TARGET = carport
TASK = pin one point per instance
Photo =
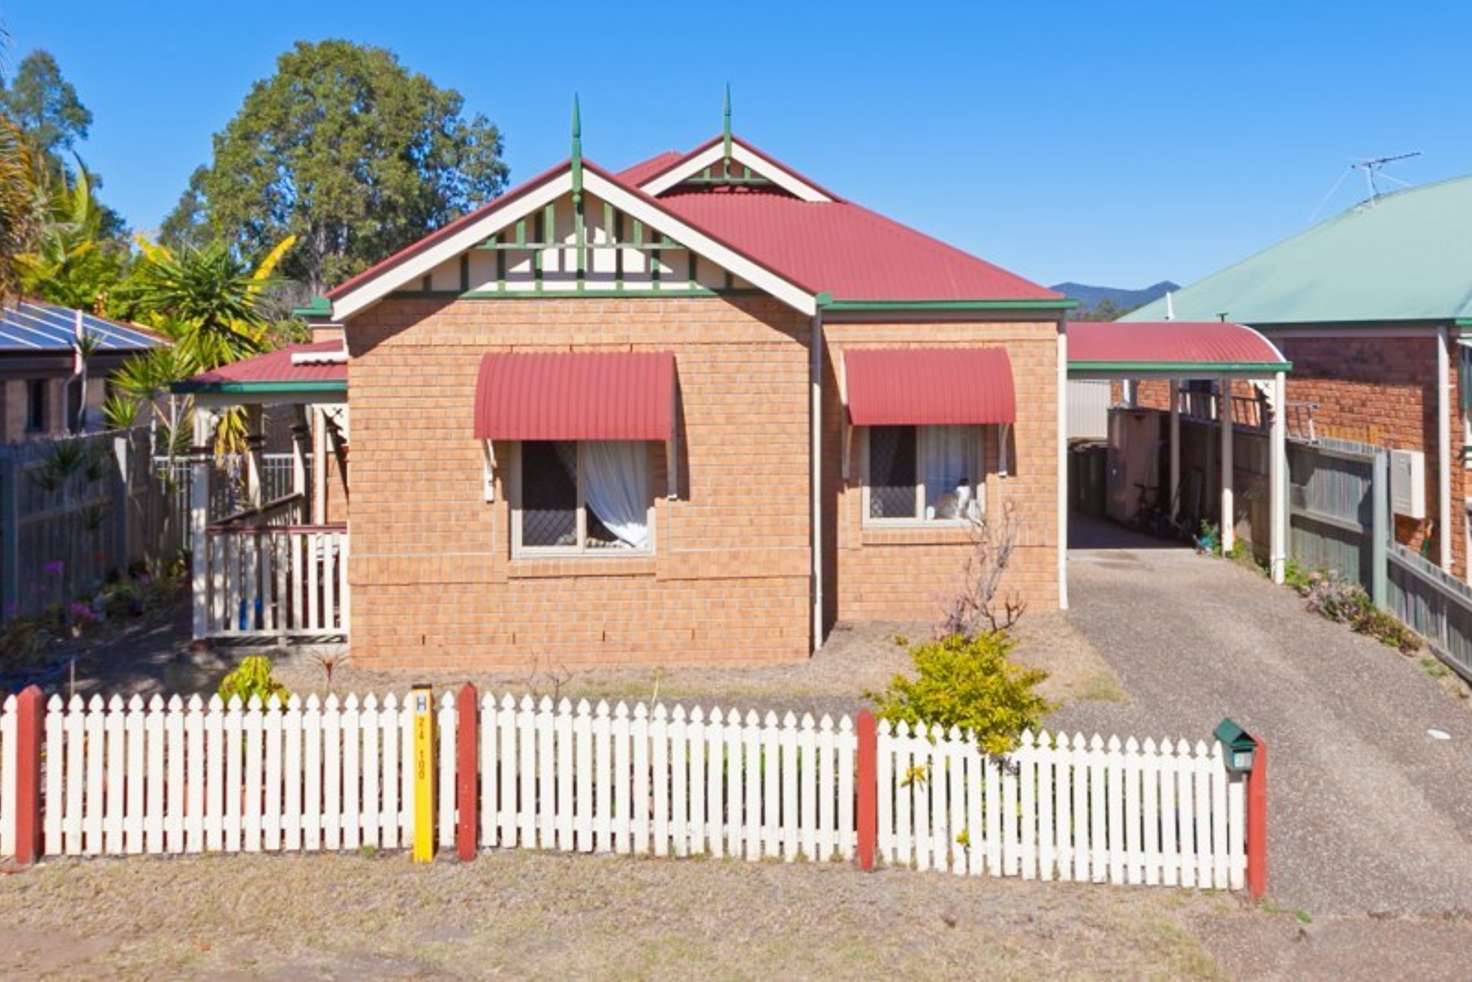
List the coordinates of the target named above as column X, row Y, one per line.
column 1184, row 351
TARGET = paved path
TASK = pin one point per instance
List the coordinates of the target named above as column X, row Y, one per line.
column 1367, row 812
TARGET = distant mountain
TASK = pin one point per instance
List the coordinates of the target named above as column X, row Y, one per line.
column 1120, row 301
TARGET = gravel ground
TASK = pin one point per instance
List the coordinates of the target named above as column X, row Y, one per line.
column 541, row 915
column 856, row 659
column 1367, row 812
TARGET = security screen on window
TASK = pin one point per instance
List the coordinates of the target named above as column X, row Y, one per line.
column 923, row 473
column 585, row 496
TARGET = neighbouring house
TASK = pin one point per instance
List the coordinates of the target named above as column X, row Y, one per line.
column 40, row 369
column 698, row 410
column 1374, row 309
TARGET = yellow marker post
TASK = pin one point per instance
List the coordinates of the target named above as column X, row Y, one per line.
column 423, row 702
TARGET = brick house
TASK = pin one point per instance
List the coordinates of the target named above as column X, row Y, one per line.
column 1373, row 307
column 40, row 383
column 701, row 409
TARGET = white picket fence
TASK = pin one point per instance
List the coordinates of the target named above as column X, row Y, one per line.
column 1070, row 810
column 665, row 781
column 175, row 776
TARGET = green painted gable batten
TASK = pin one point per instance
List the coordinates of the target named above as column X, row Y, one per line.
column 1407, row 257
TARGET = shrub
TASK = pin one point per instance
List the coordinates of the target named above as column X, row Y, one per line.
column 968, row 683
column 252, row 677
column 1348, row 603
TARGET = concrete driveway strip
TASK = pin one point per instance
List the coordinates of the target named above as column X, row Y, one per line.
column 1367, row 811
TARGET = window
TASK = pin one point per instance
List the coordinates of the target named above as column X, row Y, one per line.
column 590, row 496
column 36, row 408
column 923, row 474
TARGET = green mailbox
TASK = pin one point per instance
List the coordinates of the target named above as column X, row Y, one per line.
column 1237, row 744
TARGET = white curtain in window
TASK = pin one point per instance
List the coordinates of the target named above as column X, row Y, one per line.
column 617, row 488
column 947, row 463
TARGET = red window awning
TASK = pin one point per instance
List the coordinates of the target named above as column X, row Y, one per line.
column 929, row 386
column 622, row 395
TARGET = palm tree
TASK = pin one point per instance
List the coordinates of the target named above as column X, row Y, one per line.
column 20, row 194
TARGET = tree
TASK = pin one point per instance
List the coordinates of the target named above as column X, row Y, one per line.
column 46, row 107
column 20, row 204
column 72, row 260
column 346, row 150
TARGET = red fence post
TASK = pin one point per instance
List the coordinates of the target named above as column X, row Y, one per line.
column 866, row 783
column 467, row 790
column 30, row 708
column 1257, row 822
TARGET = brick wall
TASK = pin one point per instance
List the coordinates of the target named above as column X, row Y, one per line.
column 434, row 584
column 911, row 574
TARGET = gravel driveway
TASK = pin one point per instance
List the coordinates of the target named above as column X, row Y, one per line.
column 1368, row 813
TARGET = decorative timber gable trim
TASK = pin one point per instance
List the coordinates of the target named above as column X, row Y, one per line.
column 755, row 168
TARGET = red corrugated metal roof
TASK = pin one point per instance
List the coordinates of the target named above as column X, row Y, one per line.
column 622, row 395
column 1168, row 342
column 846, row 250
column 761, row 154
column 929, row 386
column 637, row 174
column 276, row 366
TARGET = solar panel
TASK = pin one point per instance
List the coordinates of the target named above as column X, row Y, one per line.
column 37, row 327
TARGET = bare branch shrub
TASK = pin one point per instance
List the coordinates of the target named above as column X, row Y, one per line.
column 977, row 605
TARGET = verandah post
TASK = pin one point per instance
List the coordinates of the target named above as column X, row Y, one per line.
column 866, row 787
column 467, row 791
column 30, row 720
column 1257, row 822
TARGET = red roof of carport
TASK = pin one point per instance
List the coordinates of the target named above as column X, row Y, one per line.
column 277, row 366
column 618, row 395
column 929, row 386
column 1165, row 343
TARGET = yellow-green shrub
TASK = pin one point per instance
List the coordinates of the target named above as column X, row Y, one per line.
column 969, row 683
column 252, row 677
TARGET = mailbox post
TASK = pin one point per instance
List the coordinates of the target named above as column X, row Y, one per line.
column 1247, row 754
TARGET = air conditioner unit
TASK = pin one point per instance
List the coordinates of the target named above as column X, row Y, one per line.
column 1408, row 483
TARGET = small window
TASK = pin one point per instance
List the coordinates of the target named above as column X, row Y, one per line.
column 36, row 408
column 923, row 473
column 590, row 496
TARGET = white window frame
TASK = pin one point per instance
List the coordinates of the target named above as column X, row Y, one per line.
column 581, row 550
column 978, row 485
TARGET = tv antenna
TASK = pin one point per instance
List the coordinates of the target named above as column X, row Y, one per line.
column 1373, row 169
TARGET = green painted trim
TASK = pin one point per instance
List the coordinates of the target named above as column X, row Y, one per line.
column 258, row 388
column 319, row 307
column 1180, row 367
column 841, row 305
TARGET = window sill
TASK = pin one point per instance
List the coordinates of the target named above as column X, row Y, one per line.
column 915, row 534
column 533, row 566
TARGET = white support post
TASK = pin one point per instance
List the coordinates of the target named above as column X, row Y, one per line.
column 815, row 383
column 1224, row 412
column 199, row 512
column 255, row 442
column 1062, row 464
column 319, row 466
column 301, row 434
column 1174, row 386
column 1444, row 450
column 1277, row 474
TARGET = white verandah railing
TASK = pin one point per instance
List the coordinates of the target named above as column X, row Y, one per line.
column 170, row 776
column 281, row 580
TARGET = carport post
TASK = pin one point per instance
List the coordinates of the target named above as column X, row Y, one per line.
column 1224, row 410
column 1175, row 447
column 1277, row 470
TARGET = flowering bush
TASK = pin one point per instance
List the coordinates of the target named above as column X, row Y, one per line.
column 1348, row 603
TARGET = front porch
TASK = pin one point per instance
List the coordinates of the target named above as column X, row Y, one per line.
column 275, row 569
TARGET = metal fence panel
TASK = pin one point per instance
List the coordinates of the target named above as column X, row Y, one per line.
column 1331, row 508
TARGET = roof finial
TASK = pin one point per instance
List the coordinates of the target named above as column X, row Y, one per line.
column 726, row 122
column 577, row 147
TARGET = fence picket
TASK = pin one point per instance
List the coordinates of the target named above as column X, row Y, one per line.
column 153, row 806
column 752, row 749
column 251, row 820
column 659, row 741
column 1046, row 826
column 489, row 771
column 349, row 821
column 565, row 803
column 1134, row 854
column 291, row 775
column 623, row 828
column 1150, row 779
column 526, row 737
column 715, row 760
column 507, row 720
column 312, row 771
column 445, row 746
column 603, row 776
column 214, row 805
column 679, row 807
column 808, row 791
column 174, row 813
column 76, row 774
column 787, row 818
column 1026, row 760
column 55, row 770
column 885, row 742
column 370, row 814
column 1169, row 844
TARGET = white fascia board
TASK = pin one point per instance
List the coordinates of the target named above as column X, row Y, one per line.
column 476, row 232
column 722, row 255
column 785, row 180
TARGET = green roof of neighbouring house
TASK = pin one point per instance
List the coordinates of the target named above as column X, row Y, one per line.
column 1407, row 256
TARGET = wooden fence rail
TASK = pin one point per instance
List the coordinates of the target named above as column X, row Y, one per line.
column 164, row 776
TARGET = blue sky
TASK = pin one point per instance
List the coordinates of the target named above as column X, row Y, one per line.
column 1063, row 141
